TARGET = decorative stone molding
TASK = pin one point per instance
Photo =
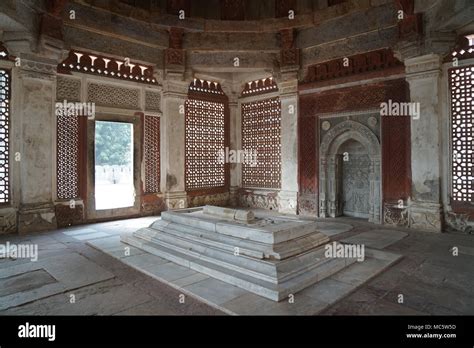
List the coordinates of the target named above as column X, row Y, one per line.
column 330, row 206
column 464, row 50
column 67, row 216
column 459, row 222
column 85, row 62
column 325, row 125
column 152, row 204
column 289, row 52
column 259, row 199
column 258, row 87
column 36, row 217
column 308, row 204
column 288, row 202
column 425, row 216
column 395, row 215
column 357, row 64
column 8, row 220
column 175, row 55
column 4, row 52
column 176, row 200
column 220, row 199
column 423, row 66
column 350, row 130
column 37, row 68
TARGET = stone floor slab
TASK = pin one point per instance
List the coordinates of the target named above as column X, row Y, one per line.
column 90, row 236
column 441, row 286
column 214, row 291
column 376, row 239
column 72, row 272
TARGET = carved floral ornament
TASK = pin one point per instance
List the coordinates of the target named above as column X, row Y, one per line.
column 106, row 66
column 356, row 128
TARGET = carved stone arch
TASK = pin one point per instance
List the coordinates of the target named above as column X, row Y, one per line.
column 330, row 206
column 350, row 130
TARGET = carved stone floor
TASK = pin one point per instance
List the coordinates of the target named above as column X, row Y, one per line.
column 430, row 278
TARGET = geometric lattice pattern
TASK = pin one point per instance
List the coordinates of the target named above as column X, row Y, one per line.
column 205, row 139
column 68, row 89
column 308, row 154
column 112, row 96
column 4, row 136
column 152, row 101
column 261, row 134
column 462, row 133
column 152, row 154
column 68, row 156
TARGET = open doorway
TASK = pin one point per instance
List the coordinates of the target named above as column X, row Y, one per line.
column 114, row 184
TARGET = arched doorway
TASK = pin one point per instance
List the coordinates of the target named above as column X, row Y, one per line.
column 350, row 172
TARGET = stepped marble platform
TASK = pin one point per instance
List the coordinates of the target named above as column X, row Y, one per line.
column 272, row 257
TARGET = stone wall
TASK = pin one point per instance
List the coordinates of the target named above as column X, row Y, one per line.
column 325, row 108
column 319, row 37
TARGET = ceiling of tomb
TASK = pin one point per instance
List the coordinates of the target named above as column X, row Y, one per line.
column 216, row 32
column 215, row 9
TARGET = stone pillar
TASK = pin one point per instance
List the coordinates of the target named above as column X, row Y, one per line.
column 36, row 80
column 323, row 212
column 289, row 142
column 424, row 77
column 235, row 144
column 172, row 144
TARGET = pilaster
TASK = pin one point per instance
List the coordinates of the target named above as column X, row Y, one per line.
column 424, row 78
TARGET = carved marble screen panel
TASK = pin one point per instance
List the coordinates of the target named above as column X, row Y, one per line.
column 152, row 101
column 462, row 133
column 68, row 89
column 152, row 154
column 114, row 96
column 68, row 146
column 4, row 136
column 261, row 134
column 205, row 140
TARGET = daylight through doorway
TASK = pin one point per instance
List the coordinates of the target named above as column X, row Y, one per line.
column 113, row 165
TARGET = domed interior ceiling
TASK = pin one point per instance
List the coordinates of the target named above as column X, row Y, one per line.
column 222, row 9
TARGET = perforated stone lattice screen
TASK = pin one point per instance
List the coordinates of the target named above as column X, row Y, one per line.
column 261, row 134
column 205, row 139
column 462, row 133
column 4, row 136
column 152, row 154
column 152, row 101
column 112, row 96
column 68, row 156
column 68, row 89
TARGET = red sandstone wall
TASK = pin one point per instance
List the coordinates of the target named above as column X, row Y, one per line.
column 395, row 137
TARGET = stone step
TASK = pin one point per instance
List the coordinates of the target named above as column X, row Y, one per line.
column 252, row 249
column 247, row 247
column 272, row 291
column 263, row 270
column 268, row 234
column 270, row 270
